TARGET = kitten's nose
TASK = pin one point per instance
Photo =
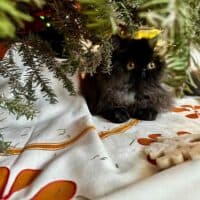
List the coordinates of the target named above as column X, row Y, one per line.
column 144, row 73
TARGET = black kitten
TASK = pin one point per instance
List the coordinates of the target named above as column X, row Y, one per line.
column 195, row 90
column 133, row 89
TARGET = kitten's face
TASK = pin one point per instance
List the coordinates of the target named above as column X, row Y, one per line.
column 135, row 56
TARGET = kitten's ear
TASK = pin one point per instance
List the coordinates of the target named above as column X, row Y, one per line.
column 116, row 41
column 152, row 42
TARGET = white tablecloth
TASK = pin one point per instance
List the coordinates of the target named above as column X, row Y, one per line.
column 65, row 153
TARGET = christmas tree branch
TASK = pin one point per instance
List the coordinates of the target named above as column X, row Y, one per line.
column 18, row 107
column 175, row 18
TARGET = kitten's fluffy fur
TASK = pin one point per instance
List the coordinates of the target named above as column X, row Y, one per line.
column 126, row 93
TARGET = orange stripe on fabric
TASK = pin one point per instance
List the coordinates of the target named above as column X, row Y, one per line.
column 120, row 129
column 49, row 146
column 57, row 146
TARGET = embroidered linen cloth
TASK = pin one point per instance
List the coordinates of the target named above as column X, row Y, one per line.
column 65, row 153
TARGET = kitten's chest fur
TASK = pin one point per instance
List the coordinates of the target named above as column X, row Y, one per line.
column 120, row 88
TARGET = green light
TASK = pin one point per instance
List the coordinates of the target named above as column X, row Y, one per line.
column 48, row 24
column 42, row 17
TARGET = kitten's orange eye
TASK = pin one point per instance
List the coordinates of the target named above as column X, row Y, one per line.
column 151, row 65
column 130, row 65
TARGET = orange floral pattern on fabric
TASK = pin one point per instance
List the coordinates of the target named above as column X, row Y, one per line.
column 152, row 137
column 147, row 141
column 59, row 190
column 190, row 111
column 183, row 133
column 5, row 172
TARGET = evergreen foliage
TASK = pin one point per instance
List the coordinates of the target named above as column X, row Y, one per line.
column 180, row 21
column 87, row 27
column 4, row 145
column 11, row 16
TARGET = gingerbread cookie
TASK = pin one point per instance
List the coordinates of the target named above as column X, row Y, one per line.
column 170, row 151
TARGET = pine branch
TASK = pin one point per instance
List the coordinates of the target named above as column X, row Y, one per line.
column 8, row 69
column 45, row 58
column 193, row 21
column 100, row 17
column 18, row 107
column 177, row 71
column 106, row 52
column 4, row 145
column 126, row 14
column 34, row 61
column 61, row 75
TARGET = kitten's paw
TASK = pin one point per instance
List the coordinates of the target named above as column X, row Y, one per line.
column 167, row 152
column 145, row 114
column 116, row 115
